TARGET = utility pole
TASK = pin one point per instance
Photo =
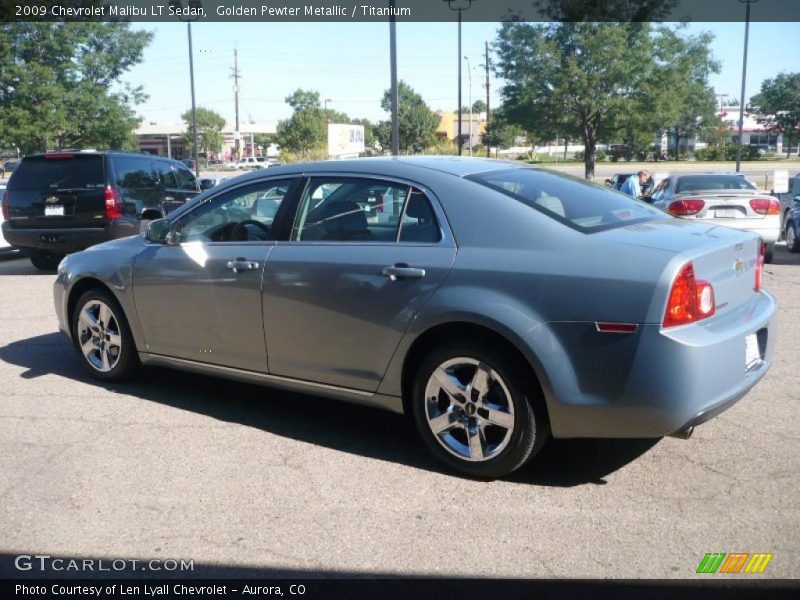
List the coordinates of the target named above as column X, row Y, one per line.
column 460, row 9
column 394, row 93
column 744, row 78
column 236, row 76
column 487, row 65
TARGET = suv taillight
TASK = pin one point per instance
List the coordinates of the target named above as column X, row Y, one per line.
column 113, row 204
column 762, row 250
column 766, row 206
column 6, row 211
column 687, row 206
column 690, row 299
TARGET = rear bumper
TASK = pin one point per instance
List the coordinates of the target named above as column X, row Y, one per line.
column 63, row 241
column 654, row 382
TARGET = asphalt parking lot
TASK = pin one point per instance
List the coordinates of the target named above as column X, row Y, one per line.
column 247, row 480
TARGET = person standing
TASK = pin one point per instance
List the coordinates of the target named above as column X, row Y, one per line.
column 633, row 184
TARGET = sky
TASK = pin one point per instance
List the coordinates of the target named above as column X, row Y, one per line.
column 348, row 64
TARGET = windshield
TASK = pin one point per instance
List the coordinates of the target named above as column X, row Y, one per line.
column 693, row 183
column 579, row 204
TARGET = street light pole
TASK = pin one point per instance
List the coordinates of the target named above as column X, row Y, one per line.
column 744, row 77
column 195, row 4
column 469, row 75
column 393, row 93
column 460, row 9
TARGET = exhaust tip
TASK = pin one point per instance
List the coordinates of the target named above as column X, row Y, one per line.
column 683, row 434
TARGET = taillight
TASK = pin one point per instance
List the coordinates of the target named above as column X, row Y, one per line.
column 690, row 299
column 113, row 204
column 6, row 211
column 762, row 250
column 687, row 206
column 766, row 206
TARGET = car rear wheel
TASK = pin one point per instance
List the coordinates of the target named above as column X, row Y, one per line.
column 44, row 261
column 792, row 243
column 768, row 253
column 478, row 409
column 102, row 337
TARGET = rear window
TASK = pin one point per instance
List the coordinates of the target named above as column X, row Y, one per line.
column 581, row 205
column 134, row 172
column 693, row 183
column 59, row 173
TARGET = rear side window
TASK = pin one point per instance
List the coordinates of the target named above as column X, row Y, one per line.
column 166, row 174
column 694, row 183
column 581, row 205
column 59, row 172
column 186, row 179
column 134, row 172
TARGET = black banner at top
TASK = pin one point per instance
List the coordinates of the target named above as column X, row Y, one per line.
column 403, row 10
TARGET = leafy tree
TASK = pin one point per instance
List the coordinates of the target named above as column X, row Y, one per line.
column 209, row 130
column 479, row 106
column 306, row 129
column 60, row 84
column 303, row 99
column 778, row 106
column 500, row 132
column 416, row 121
column 596, row 81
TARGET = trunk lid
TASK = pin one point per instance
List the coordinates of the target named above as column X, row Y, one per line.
column 726, row 258
column 729, row 204
column 58, row 191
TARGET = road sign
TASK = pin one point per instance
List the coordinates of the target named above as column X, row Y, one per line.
column 781, row 185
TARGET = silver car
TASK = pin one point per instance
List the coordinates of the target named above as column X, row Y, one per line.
column 495, row 304
column 727, row 199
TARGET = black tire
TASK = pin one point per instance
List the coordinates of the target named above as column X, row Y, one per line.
column 792, row 243
column 44, row 261
column 768, row 253
column 127, row 362
column 531, row 427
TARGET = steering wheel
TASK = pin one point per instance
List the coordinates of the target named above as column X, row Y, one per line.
column 239, row 228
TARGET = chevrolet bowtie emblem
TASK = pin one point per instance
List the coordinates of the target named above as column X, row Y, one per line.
column 51, row 200
column 738, row 265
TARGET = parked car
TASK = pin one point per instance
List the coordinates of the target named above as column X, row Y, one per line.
column 727, row 199
column 252, row 162
column 61, row 202
column 786, row 198
column 792, row 226
column 505, row 305
column 4, row 245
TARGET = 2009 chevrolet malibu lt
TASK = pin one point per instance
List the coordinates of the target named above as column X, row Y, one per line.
column 497, row 304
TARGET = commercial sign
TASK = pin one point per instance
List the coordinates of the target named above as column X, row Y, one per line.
column 345, row 140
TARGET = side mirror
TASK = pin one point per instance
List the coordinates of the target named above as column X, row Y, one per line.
column 796, row 199
column 206, row 184
column 158, row 231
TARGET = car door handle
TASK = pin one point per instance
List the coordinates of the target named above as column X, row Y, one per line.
column 403, row 271
column 169, row 198
column 242, row 264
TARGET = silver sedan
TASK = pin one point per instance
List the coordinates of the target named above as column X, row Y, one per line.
column 497, row 305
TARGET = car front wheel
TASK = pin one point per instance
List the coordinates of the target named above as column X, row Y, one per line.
column 102, row 337
column 791, row 238
column 478, row 409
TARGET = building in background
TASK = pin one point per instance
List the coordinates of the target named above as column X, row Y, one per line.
column 345, row 140
column 753, row 133
column 168, row 140
column 448, row 127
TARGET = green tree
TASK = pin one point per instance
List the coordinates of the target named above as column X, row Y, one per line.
column 209, row 130
column 500, row 133
column 778, row 107
column 306, row 129
column 478, row 106
column 594, row 81
column 60, row 84
column 416, row 121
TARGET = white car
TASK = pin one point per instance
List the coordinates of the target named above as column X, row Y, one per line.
column 728, row 199
column 4, row 245
column 252, row 162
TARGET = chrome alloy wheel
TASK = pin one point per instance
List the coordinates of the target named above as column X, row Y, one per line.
column 99, row 336
column 469, row 409
column 790, row 236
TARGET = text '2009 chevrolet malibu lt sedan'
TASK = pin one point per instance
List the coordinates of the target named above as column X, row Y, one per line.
column 497, row 304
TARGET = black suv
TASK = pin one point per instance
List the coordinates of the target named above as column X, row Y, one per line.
column 61, row 202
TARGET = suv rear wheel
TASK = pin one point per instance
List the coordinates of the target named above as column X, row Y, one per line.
column 478, row 409
column 43, row 260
